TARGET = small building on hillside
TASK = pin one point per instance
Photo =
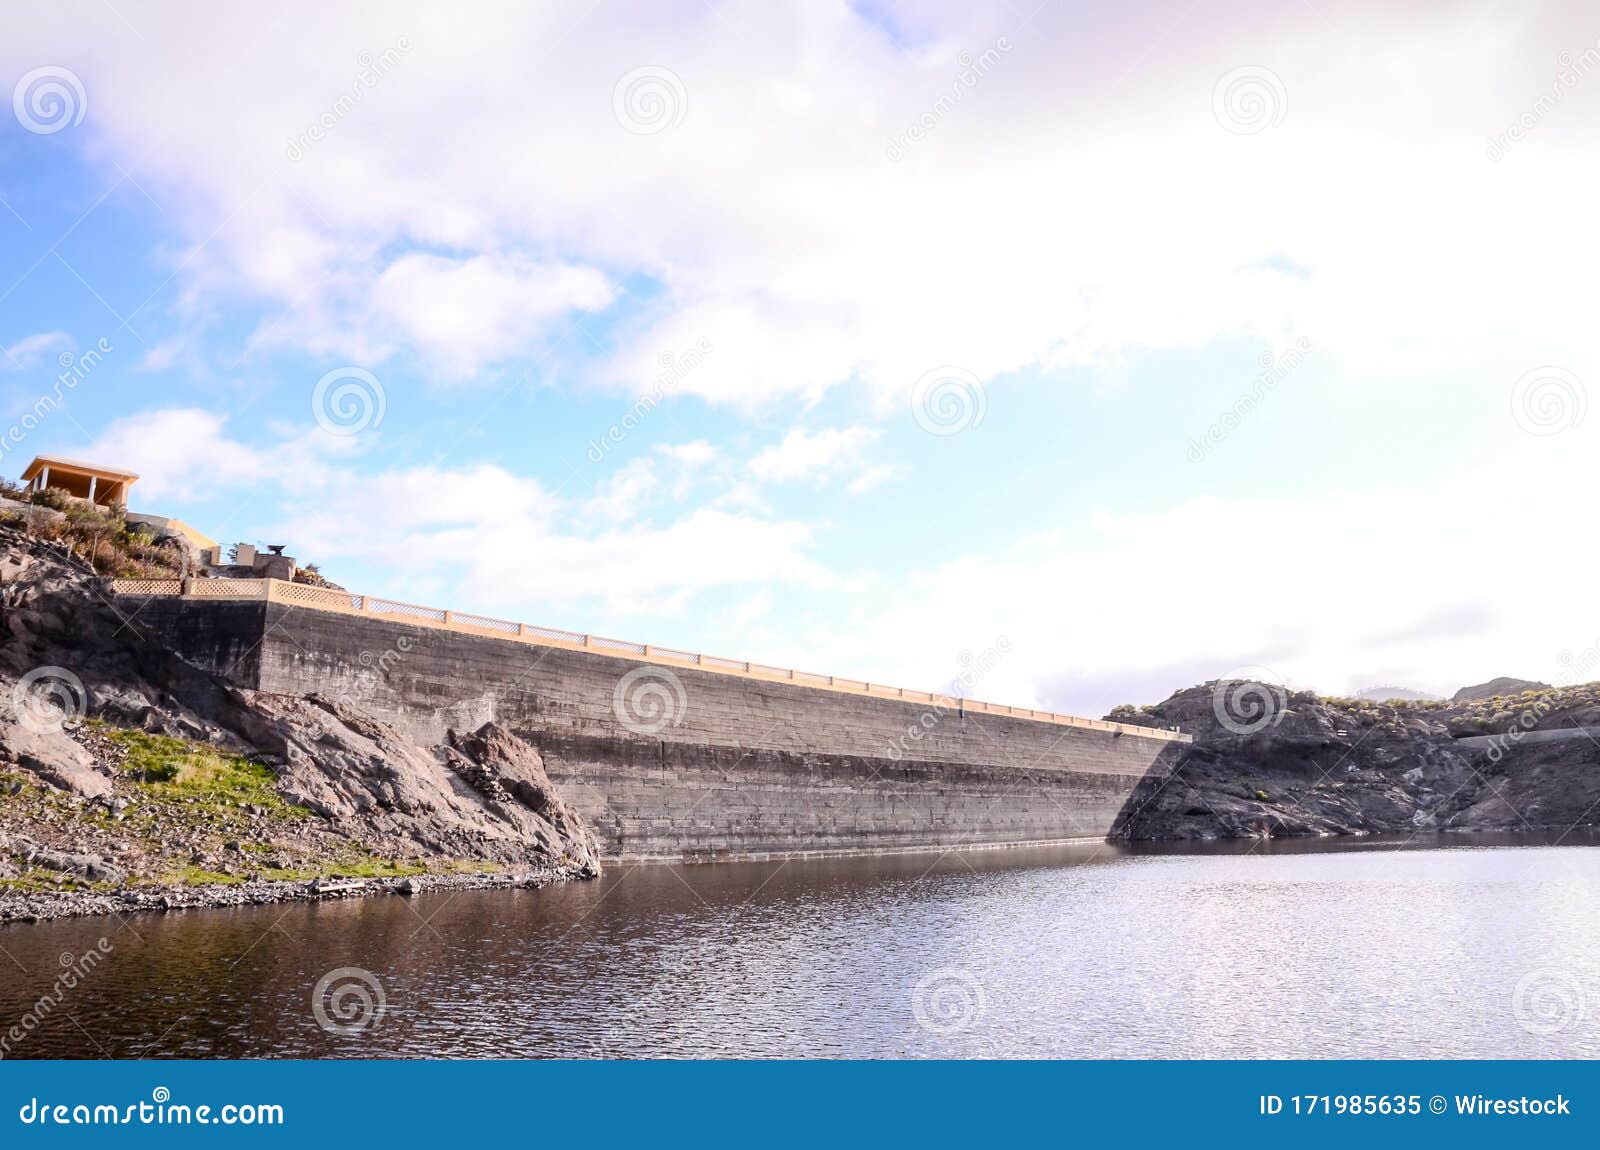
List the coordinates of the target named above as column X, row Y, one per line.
column 97, row 484
column 107, row 487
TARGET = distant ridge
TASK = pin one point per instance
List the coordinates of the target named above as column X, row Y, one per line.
column 1504, row 685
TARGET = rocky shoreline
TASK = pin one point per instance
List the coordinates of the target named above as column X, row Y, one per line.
column 46, row 905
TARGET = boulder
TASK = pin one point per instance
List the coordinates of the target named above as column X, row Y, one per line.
column 82, row 863
column 54, row 756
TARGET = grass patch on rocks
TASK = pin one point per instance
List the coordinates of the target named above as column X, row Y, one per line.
column 37, row 880
column 179, row 771
column 199, row 876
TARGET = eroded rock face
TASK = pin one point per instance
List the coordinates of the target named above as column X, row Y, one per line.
column 53, row 617
column 484, row 796
column 1313, row 766
column 499, row 763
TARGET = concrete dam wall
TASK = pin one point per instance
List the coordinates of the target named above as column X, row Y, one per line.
column 681, row 762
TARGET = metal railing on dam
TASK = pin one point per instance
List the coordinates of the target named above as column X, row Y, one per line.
column 391, row 610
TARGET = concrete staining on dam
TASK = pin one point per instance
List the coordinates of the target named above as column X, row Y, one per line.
column 740, row 767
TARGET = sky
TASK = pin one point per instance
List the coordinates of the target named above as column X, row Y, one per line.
column 1073, row 353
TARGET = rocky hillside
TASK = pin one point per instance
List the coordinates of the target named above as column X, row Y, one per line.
column 1271, row 762
column 129, row 778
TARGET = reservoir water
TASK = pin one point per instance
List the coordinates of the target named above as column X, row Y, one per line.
column 1447, row 948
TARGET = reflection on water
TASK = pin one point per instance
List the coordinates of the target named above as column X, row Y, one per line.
column 1275, row 950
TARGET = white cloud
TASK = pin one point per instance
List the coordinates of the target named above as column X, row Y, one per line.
column 694, row 465
column 741, row 496
column 624, row 494
column 1079, row 201
column 186, row 454
column 814, row 455
column 30, row 350
column 696, row 453
column 467, row 313
column 751, row 610
column 178, row 453
column 159, row 357
column 871, row 478
column 462, row 315
column 502, row 556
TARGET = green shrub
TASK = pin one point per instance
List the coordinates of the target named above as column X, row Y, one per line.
column 157, row 772
column 97, row 536
column 52, row 498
